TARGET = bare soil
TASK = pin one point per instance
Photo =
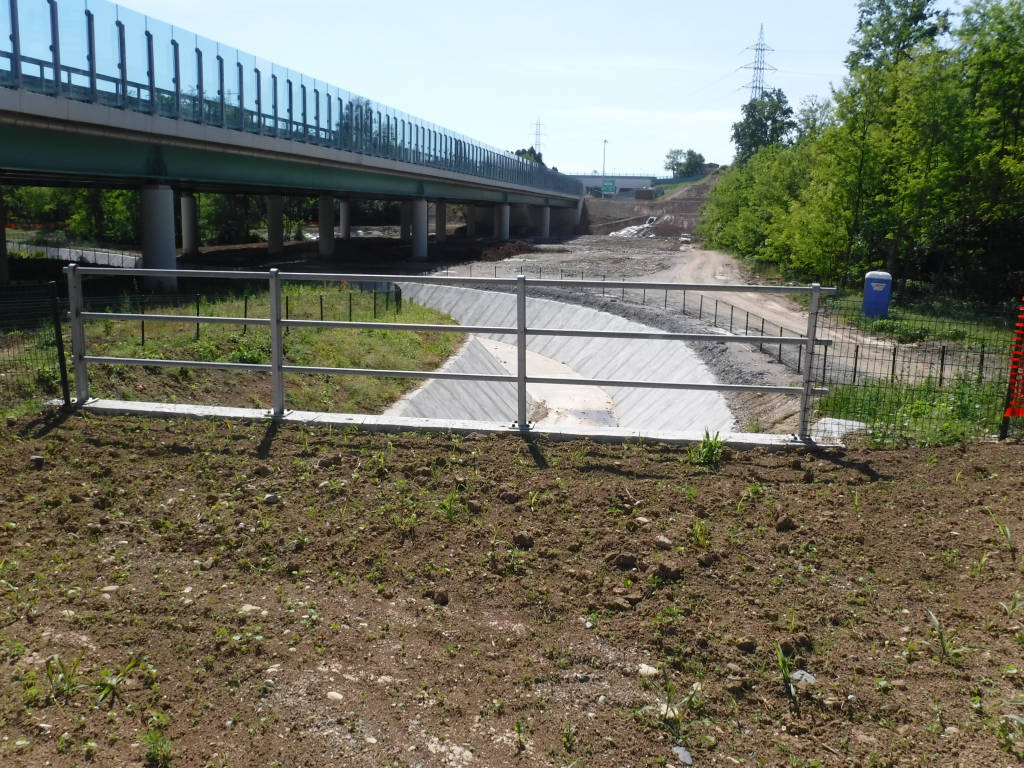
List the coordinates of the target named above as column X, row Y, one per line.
column 308, row 596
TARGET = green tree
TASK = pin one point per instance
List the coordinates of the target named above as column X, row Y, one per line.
column 890, row 30
column 532, row 155
column 682, row 164
column 765, row 120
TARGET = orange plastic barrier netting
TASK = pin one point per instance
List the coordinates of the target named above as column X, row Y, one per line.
column 1015, row 409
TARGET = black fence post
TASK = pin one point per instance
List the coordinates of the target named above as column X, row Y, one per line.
column 856, row 354
column 142, row 323
column 245, row 311
column 197, row 315
column 892, row 376
column 398, row 299
column 321, row 307
column 58, row 337
column 942, row 364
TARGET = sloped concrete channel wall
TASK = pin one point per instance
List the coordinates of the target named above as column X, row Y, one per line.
column 643, row 360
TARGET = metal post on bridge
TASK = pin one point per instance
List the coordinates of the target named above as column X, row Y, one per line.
column 16, row 44
column 276, row 345
column 154, row 104
column 804, row 431
column 55, row 45
column 522, row 415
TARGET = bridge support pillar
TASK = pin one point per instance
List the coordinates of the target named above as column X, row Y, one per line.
column 545, row 221
column 503, row 214
column 470, row 219
column 158, row 251
column 325, row 235
column 189, row 225
column 344, row 221
column 275, row 225
column 405, row 221
column 419, row 229
column 440, row 221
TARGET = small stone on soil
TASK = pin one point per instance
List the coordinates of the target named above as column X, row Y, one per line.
column 663, row 542
column 784, row 524
column 271, row 498
column 36, row 462
column 746, row 644
column 646, row 670
column 335, row 696
column 523, row 540
column 682, row 755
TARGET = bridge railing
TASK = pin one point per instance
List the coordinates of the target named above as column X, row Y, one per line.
column 102, row 53
column 278, row 321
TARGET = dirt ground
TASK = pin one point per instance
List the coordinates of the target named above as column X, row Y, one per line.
column 206, row 593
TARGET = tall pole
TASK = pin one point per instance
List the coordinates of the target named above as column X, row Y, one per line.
column 604, row 155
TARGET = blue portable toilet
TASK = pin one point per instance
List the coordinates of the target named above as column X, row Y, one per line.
column 877, row 292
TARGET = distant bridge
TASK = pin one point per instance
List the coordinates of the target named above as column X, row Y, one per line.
column 104, row 96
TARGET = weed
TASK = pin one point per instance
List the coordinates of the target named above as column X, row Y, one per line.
column 945, row 646
column 1015, row 603
column 1010, row 735
column 785, row 667
column 63, row 676
column 700, row 534
column 708, row 454
column 1006, row 533
column 569, row 737
column 109, row 686
column 978, row 566
column 159, row 749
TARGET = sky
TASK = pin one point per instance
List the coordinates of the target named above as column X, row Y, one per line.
column 645, row 77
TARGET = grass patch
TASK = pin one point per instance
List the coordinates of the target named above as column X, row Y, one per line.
column 334, row 348
column 909, row 323
column 922, row 413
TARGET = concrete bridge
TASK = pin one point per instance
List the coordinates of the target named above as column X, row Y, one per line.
column 95, row 94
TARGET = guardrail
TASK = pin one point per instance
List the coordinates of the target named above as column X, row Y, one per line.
column 277, row 323
column 101, row 53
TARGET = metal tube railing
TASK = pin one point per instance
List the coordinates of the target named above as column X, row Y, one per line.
column 277, row 324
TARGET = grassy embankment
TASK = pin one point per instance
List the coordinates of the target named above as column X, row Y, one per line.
column 335, row 348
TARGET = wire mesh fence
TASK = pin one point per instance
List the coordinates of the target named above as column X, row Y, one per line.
column 918, row 375
column 32, row 364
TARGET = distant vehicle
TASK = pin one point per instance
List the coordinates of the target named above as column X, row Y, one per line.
column 651, row 220
column 685, row 238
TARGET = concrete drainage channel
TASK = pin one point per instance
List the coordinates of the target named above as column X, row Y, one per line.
column 513, row 376
column 564, row 406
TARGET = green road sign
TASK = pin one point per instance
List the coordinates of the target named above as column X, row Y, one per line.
column 609, row 187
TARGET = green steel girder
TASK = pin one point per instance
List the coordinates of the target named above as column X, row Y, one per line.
column 34, row 154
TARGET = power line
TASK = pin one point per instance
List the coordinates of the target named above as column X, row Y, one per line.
column 759, row 66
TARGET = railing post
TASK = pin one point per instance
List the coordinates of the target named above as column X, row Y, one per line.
column 276, row 345
column 154, row 104
column 522, row 416
column 15, row 45
column 200, row 95
column 259, row 100
column 122, row 64
column 55, row 45
column 176, row 62
column 804, row 432
column 77, row 333
column 240, row 71
column 220, row 92
column 90, row 55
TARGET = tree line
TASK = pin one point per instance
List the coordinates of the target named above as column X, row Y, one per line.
column 915, row 165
